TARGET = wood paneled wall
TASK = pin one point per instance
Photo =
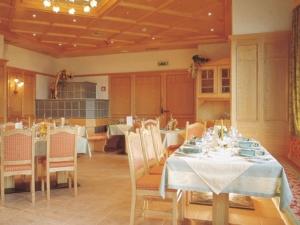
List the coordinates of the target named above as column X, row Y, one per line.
column 260, row 88
column 21, row 104
column 3, row 98
column 146, row 94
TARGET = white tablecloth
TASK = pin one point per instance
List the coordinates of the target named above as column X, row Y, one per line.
column 41, row 146
column 261, row 178
column 118, row 129
column 171, row 137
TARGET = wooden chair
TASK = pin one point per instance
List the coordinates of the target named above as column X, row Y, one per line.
column 161, row 151
column 17, row 157
column 150, row 155
column 194, row 130
column 96, row 137
column 145, row 185
column 151, row 122
column 61, row 155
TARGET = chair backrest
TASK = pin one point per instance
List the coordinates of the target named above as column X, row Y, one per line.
column 151, row 122
column 226, row 123
column 150, row 153
column 61, row 144
column 194, row 130
column 17, row 147
column 135, row 155
column 157, row 141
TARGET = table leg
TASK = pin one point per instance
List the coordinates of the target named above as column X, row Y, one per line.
column 220, row 209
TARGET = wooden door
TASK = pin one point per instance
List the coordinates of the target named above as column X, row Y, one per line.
column 147, row 95
column 120, row 96
column 180, row 97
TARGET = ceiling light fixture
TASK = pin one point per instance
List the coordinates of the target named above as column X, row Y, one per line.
column 212, row 29
column 71, row 6
column 56, row 9
column 209, row 14
column 72, row 11
column 33, row 16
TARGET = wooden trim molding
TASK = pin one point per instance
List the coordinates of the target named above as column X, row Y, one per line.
column 158, row 72
column 29, row 71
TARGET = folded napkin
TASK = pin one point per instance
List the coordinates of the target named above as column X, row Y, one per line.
column 218, row 172
column 249, row 152
column 248, row 144
column 190, row 149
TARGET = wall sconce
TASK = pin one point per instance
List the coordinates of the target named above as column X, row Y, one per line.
column 18, row 84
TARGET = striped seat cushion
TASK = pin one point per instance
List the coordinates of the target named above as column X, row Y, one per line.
column 14, row 168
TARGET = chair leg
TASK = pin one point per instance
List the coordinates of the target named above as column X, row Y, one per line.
column 32, row 189
column 174, row 210
column 2, row 188
column 75, row 182
column 43, row 185
column 132, row 212
column 48, row 185
column 70, row 180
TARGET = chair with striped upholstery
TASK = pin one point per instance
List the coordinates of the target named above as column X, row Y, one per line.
column 17, row 157
column 61, row 155
column 145, row 185
column 150, row 155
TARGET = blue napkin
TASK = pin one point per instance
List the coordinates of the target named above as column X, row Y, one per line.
column 248, row 144
column 248, row 152
column 190, row 149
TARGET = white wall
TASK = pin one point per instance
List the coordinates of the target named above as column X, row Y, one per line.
column 42, row 86
column 102, row 81
column 260, row 16
column 29, row 60
column 141, row 61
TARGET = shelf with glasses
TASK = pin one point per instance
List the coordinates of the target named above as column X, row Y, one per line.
column 213, row 87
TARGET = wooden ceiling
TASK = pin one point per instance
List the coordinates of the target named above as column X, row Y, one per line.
column 115, row 26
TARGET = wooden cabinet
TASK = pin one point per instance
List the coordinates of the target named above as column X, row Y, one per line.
column 214, row 80
column 213, row 90
column 259, row 107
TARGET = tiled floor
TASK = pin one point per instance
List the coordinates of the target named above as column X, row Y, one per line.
column 104, row 199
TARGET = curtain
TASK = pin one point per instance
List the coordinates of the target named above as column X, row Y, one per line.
column 295, row 73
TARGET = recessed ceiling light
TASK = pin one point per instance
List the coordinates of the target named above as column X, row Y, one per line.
column 34, row 34
column 33, row 15
column 212, row 29
column 112, row 41
column 153, row 38
column 59, row 44
column 74, row 20
column 144, row 29
column 209, row 14
column 75, row 45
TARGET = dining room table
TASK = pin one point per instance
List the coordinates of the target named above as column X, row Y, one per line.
column 226, row 165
